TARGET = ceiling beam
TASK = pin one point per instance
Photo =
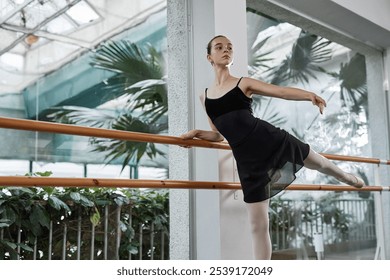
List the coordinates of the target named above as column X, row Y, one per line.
column 35, row 29
column 48, row 35
column 14, row 12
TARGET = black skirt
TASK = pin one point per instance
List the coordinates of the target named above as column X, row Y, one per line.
column 267, row 161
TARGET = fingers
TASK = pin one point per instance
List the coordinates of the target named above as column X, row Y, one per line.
column 318, row 101
column 185, row 146
column 187, row 136
column 321, row 106
column 323, row 102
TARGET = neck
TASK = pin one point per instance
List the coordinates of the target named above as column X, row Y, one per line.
column 221, row 75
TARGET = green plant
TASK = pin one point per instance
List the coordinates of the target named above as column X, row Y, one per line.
column 31, row 216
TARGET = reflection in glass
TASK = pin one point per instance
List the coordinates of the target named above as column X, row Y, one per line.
column 283, row 54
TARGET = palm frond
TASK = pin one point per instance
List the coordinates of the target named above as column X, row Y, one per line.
column 148, row 92
column 130, row 151
column 129, row 60
column 258, row 60
column 83, row 116
column 302, row 64
column 140, row 77
column 353, row 86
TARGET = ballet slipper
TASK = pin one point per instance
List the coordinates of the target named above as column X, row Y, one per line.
column 352, row 180
column 359, row 183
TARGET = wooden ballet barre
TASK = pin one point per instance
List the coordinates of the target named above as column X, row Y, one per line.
column 356, row 159
column 22, row 124
column 42, row 126
column 30, row 181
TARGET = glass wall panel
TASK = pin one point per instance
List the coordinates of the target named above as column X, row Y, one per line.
column 284, row 54
column 93, row 63
column 90, row 63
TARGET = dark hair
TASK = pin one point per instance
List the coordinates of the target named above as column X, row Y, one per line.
column 211, row 41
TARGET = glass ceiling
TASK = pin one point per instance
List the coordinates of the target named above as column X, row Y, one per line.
column 39, row 36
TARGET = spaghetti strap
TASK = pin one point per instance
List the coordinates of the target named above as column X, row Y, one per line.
column 205, row 92
column 239, row 81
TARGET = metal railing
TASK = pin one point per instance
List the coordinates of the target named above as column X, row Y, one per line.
column 75, row 237
column 338, row 221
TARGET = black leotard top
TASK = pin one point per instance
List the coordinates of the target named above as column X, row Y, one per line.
column 231, row 114
column 267, row 157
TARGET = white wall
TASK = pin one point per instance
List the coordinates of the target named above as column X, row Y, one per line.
column 204, row 162
column 230, row 20
column 377, row 11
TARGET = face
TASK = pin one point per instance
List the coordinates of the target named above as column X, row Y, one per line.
column 221, row 52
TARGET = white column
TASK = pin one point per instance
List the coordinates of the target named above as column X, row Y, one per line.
column 178, row 99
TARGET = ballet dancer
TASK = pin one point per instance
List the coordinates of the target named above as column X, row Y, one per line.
column 267, row 157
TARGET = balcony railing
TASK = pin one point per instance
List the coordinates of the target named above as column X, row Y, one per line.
column 338, row 222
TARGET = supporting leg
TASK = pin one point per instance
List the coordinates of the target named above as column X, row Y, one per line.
column 259, row 221
column 322, row 164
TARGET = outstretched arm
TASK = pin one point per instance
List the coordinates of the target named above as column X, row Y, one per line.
column 252, row 86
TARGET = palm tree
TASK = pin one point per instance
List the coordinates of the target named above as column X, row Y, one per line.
column 140, row 85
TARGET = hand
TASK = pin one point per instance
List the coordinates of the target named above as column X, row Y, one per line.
column 189, row 135
column 318, row 101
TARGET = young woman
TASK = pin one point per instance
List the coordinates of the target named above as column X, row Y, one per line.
column 267, row 157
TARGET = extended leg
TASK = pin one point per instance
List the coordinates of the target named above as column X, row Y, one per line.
column 258, row 218
column 318, row 162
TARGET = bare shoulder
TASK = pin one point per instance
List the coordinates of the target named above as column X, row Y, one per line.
column 246, row 85
column 255, row 86
column 248, row 81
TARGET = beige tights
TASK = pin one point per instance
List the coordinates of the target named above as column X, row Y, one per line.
column 322, row 164
column 258, row 219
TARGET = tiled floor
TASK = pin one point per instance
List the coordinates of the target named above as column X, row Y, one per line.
column 363, row 254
